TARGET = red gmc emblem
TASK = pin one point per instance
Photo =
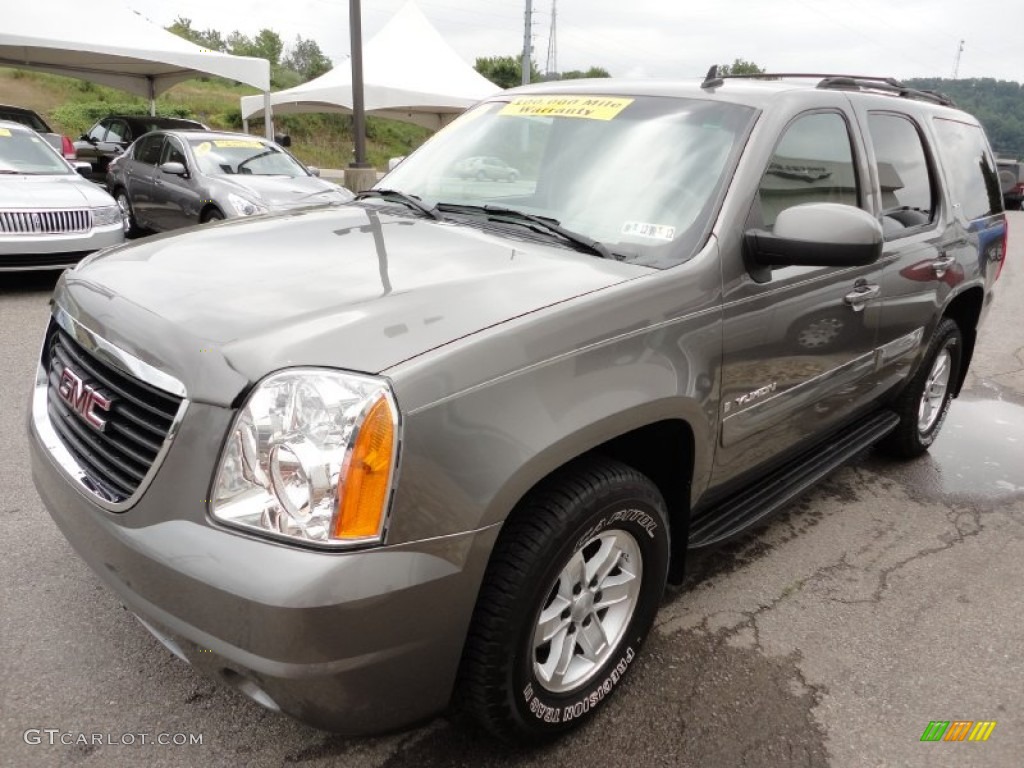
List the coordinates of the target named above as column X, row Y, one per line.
column 83, row 399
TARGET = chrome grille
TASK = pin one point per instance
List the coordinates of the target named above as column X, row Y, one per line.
column 116, row 459
column 46, row 222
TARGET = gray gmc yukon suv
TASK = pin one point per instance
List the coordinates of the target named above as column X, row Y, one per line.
column 446, row 443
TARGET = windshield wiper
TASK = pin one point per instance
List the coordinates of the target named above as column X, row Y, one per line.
column 410, row 201
column 536, row 223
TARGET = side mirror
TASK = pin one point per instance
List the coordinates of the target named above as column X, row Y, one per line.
column 815, row 235
column 174, row 169
column 83, row 169
column 283, row 139
column 313, row 170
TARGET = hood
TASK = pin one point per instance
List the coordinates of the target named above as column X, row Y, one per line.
column 282, row 192
column 341, row 286
column 51, row 192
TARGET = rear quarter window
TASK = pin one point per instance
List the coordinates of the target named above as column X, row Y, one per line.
column 970, row 170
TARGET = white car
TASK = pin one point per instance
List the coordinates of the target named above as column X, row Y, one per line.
column 50, row 217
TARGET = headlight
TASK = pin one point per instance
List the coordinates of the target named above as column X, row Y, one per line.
column 245, row 207
column 106, row 216
column 311, row 457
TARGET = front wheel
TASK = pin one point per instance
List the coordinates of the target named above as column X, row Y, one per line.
column 570, row 593
column 923, row 405
column 127, row 214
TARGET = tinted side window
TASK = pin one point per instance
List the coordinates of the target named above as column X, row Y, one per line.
column 117, row 131
column 974, row 183
column 173, row 153
column 99, row 130
column 908, row 197
column 813, row 163
column 147, row 150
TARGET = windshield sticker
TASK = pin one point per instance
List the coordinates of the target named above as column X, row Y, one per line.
column 238, row 144
column 587, row 107
column 5, row 131
column 202, row 149
column 650, row 231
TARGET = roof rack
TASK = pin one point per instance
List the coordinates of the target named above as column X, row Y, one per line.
column 885, row 85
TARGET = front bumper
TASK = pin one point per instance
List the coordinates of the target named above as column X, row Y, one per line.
column 354, row 642
column 28, row 252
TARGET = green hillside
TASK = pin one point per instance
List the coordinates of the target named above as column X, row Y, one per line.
column 71, row 106
column 998, row 104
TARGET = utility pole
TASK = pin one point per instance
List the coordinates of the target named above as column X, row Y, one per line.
column 551, row 65
column 956, row 64
column 527, row 46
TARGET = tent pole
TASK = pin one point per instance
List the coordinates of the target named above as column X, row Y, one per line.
column 355, row 25
column 152, row 94
column 268, row 116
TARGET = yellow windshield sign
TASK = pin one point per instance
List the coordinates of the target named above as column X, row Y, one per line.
column 238, row 144
column 5, row 131
column 587, row 107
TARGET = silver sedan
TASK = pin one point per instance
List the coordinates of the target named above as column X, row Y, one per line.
column 50, row 217
column 172, row 179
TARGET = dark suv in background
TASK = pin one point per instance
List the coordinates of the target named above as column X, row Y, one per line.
column 450, row 440
column 111, row 136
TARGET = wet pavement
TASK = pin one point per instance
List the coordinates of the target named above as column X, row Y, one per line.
column 887, row 597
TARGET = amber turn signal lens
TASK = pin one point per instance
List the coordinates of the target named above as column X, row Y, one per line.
column 364, row 484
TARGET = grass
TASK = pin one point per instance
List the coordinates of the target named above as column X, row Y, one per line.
column 72, row 106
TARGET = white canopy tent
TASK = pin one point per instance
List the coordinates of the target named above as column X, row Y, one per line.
column 410, row 74
column 115, row 47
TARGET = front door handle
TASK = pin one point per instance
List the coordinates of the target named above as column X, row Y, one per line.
column 861, row 295
column 942, row 264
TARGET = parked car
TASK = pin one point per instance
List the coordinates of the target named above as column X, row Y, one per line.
column 111, row 136
column 1011, row 182
column 173, row 179
column 449, row 441
column 486, row 169
column 32, row 120
column 50, row 217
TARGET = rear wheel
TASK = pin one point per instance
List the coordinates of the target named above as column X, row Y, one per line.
column 923, row 405
column 569, row 595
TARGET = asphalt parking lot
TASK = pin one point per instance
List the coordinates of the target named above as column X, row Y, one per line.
column 888, row 597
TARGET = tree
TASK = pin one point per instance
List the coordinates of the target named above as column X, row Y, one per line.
column 306, row 58
column 576, row 74
column 740, row 67
column 207, row 38
column 505, row 71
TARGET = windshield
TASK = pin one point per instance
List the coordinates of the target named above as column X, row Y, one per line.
column 219, row 157
column 25, row 152
column 641, row 175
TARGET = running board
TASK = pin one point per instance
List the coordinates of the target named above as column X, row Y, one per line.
column 748, row 506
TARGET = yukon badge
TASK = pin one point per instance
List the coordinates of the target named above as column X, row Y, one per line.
column 83, row 399
column 751, row 396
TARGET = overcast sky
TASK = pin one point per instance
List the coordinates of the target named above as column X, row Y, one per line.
column 670, row 38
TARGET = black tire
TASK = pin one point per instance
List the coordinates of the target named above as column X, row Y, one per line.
column 919, row 423
column 130, row 225
column 212, row 215
column 595, row 510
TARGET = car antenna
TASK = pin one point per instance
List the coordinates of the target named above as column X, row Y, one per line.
column 712, row 79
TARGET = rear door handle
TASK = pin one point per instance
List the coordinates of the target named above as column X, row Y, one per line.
column 861, row 295
column 942, row 264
